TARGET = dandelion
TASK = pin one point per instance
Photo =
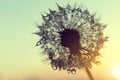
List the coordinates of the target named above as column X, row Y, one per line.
column 71, row 37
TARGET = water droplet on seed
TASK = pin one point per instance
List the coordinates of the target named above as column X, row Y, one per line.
column 73, row 71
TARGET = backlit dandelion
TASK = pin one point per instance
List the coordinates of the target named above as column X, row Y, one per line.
column 71, row 37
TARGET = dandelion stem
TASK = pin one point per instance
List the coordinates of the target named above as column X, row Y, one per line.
column 89, row 73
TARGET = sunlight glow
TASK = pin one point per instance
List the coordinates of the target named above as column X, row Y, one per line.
column 116, row 72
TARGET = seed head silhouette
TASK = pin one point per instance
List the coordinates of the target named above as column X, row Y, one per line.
column 71, row 37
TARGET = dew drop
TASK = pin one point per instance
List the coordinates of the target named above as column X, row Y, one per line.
column 68, row 70
column 73, row 71
column 54, row 67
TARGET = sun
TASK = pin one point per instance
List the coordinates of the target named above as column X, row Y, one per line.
column 116, row 72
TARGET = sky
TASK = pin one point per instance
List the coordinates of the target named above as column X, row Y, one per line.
column 20, row 59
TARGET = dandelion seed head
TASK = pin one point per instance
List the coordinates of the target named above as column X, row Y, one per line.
column 71, row 37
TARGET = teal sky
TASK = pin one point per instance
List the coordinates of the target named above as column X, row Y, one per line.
column 20, row 58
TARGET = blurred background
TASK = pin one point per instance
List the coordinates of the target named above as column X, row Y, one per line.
column 21, row 60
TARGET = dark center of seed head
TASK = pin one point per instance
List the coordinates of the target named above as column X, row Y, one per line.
column 70, row 39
